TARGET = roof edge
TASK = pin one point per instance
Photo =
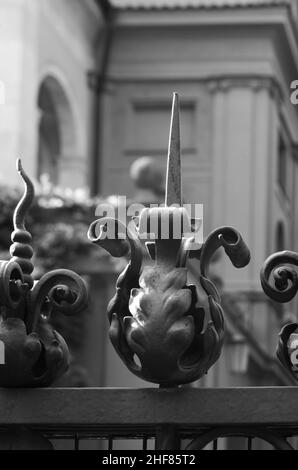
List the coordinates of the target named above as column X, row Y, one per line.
column 127, row 6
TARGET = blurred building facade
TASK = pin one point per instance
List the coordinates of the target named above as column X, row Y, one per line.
column 232, row 62
column 47, row 47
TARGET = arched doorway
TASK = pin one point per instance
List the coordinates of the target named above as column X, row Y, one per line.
column 57, row 137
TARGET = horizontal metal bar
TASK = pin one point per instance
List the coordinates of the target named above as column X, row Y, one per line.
column 142, row 410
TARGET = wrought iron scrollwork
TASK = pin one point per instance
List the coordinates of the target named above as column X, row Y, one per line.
column 157, row 321
column 279, row 280
column 35, row 354
column 284, row 277
column 278, row 442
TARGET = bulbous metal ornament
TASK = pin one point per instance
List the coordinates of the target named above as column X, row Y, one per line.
column 287, row 348
column 166, row 331
column 34, row 353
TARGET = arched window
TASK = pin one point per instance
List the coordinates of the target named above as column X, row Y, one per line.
column 56, row 130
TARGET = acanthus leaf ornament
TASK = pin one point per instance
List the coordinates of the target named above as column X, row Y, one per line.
column 35, row 354
column 167, row 331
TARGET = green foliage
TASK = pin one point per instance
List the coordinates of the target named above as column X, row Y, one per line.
column 58, row 245
column 58, row 221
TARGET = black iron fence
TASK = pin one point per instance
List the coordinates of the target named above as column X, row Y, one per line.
column 165, row 330
column 162, row 419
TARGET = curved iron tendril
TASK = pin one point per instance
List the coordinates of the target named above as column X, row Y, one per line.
column 21, row 250
column 285, row 277
column 278, row 442
column 60, row 290
column 35, row 353
column 280, row 283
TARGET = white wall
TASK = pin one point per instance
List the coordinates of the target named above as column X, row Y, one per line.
column 18, row 71
column 39, row 38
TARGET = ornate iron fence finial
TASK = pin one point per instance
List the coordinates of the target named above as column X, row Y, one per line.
column 35, row 354
column 157, row 321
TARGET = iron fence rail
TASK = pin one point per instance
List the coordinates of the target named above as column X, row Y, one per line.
column 198, row 415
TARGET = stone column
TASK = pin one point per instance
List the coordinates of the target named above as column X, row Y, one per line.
column 243, row 141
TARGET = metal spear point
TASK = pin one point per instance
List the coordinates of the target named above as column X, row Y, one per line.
column 173, row 180
column 167, row 249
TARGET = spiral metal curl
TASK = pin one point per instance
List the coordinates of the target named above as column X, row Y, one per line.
column 285, row 277
column 21, row 250
column 60, row 290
